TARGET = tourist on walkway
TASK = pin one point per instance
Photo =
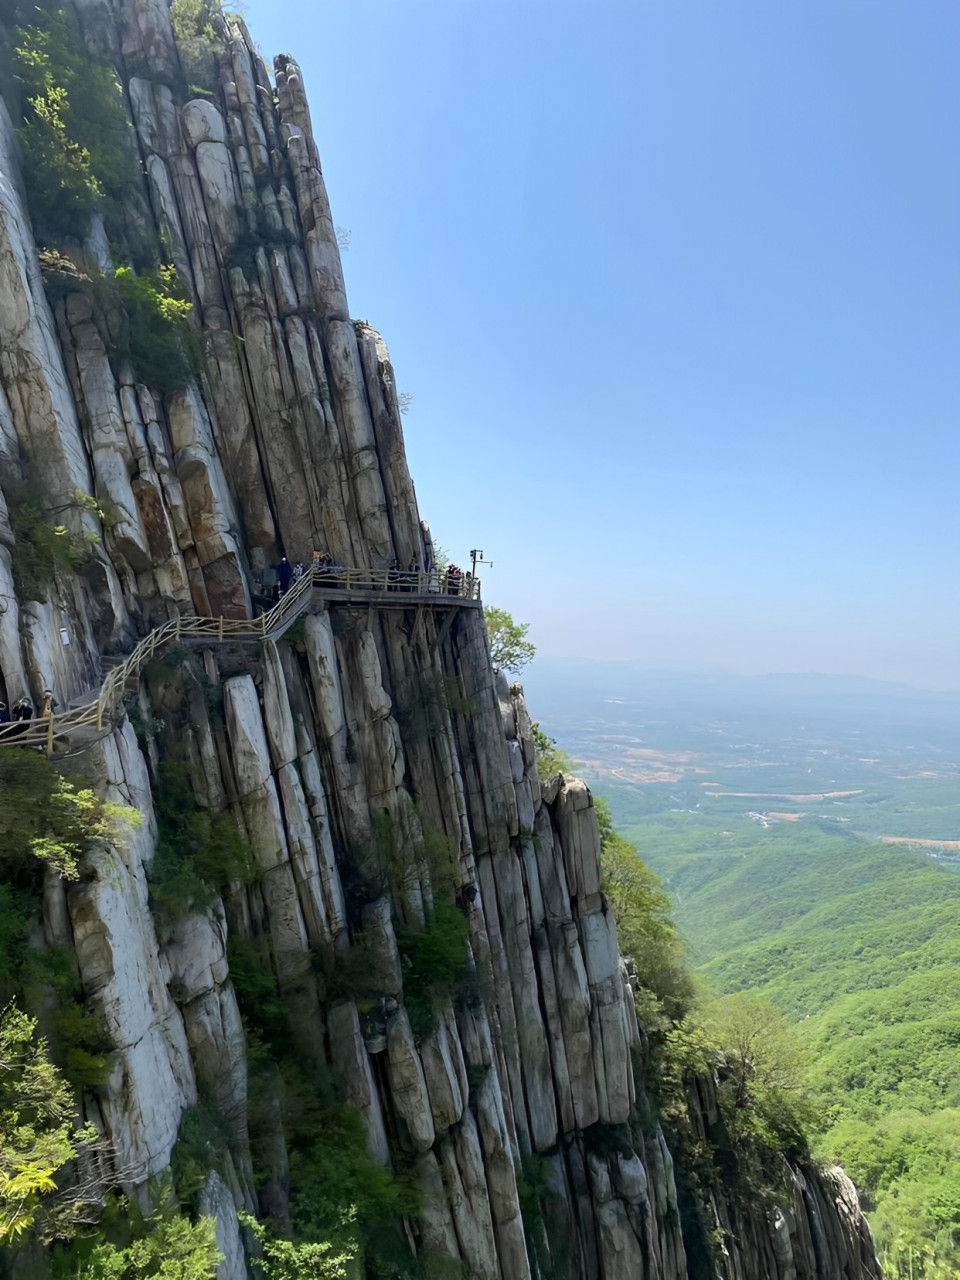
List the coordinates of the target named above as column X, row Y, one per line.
column 284, row 574
column 49, row 704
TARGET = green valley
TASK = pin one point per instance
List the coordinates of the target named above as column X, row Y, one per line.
column 859, row 945
column 811, row 853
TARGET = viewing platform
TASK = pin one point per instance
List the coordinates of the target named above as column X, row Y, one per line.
column 94, row 714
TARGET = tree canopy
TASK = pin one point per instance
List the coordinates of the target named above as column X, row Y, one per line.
column 37, row 1134
column 644, row 928
column 510, row 650
column 46, row 816
column 171, row 1246
column 858, row 945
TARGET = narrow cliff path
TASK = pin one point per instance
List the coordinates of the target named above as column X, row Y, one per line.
column 94, row 713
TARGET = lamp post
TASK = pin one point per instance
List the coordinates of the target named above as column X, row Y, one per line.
column 476, row 557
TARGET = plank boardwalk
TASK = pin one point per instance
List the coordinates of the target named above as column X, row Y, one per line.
column 94, row 714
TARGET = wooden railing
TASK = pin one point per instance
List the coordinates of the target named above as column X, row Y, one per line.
column 98, row 715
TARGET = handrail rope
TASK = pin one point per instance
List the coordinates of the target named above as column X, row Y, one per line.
column 293, row 602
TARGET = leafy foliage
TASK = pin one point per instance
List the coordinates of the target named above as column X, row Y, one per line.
column 46, row 983
column 435, row 963
column 198, row 852
column 761, row 1068
column 37, row 1134
column 644, row 927
column 203, row 1139
column 75, row 139
column 338, row 1194
column 283, row 1260
column 45, row 547
column 198, row 40
column 154, row 329
column 49, row 818
column 171, row 1246
column 859, row 945
column 550, row 758
column 264, row 1010
column 394, row 860
column 510, row 650
column 337, row 1189
column 143, row 318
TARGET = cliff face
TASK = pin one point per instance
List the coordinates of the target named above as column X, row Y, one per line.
column 367, row 736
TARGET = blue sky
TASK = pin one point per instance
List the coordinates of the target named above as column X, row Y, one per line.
column 675, row 288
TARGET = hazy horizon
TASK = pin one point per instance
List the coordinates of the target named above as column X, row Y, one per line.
column 707, row 671
column 673, row 289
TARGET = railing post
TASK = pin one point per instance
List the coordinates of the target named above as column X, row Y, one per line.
column 220, row 629
column 50, row 733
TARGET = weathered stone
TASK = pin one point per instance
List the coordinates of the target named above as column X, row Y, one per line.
column 202, row 122
column 356, row 1078
column 216, row 1202
column 407, row 1084
column 437, row 1055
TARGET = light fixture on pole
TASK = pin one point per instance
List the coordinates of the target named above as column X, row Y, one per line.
column 476, row 557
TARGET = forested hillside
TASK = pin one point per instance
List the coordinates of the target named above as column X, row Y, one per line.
column 859, row 945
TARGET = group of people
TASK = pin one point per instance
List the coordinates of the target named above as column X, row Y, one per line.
column 451, row 581
column 325, row 565
column 453, row 584
column 24, row 710
column 398, row 580
column 287, row 573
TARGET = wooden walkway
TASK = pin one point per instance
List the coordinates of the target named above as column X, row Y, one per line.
column 94, row 714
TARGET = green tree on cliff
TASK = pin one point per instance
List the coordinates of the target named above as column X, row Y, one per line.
column 37, row 1134
column 49, row 818
column 510, row 650
column 644, row 926
column 170, row 1246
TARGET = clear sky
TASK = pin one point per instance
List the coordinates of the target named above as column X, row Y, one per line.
column 675, row 288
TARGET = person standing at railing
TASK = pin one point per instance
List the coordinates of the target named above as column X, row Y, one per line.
column 284, row 574
column 23, row 710
column 413, row 574
column 454, row 579
column 299, row 569
column 49, row 704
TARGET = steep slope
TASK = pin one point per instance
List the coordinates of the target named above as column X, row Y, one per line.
column 859, row 945
column 411, row 930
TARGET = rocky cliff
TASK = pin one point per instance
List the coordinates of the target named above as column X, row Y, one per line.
column 383, row 779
